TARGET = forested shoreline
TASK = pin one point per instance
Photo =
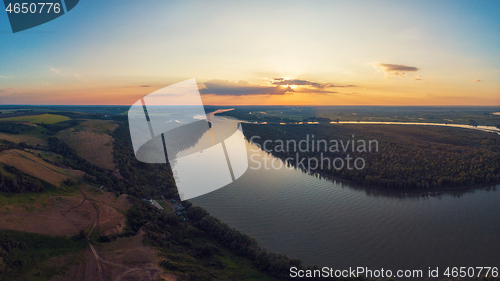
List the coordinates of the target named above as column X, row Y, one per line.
column 170, row 233
column 409, row 158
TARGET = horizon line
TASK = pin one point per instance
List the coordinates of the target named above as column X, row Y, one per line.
column 266, row 105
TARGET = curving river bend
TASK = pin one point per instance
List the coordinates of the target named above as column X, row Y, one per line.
column 330, row 223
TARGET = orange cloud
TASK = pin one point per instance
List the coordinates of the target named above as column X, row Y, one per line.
column 391, row 70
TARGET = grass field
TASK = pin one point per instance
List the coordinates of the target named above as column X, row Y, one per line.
column 28, row 139
column 56, row 216
column 131, row 253
column 53, row 212
column 47, row 155
column 166, row 207
column 36, row 257
column 38, row 119
column 10, row 202
column 91, row 140
column 34, row 166
column 112, row 210
column 223, row 265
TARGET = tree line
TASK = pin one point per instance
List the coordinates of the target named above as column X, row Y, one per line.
column 409, row 157
column 14, row 180
column 14, row 128
column 171, row 231
column 93, row 173
column 20, row 182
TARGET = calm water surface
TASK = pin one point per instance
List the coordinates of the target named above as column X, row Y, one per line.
column 340, row 225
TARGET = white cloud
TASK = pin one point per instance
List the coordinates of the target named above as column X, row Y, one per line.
column 54, row 70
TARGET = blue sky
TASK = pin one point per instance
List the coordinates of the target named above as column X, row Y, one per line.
column 103, row 51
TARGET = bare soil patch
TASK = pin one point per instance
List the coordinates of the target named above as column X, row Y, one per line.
column 84, row 270
column 129, row 259
column 120, row 203
column 110, row 220
column 112, row 210
column 67, row 215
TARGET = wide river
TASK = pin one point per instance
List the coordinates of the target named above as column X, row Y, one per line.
column 340, row 225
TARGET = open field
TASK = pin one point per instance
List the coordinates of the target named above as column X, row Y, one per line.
column 17, row 132
column 91, row 140
column 112, row 210
column 84, row 109
column 31, row 140
column 36, row 202
column 84, row 269
column 37, row 167
column 124, row 259
column 38, row 119
column 47, row 155
column 129, row 259
column 36, row 257
column 111, row 222
column 66, row 218
column 46, row 213
column 121, row 203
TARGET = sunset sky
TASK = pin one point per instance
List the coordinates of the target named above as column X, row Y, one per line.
column 259, row 53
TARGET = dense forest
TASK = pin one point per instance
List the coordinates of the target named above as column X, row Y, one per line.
column 142, row 179
column 14, row 128
column 52, row 129
column 408, row 157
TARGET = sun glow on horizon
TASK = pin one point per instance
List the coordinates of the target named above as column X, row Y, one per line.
column 402, row 53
